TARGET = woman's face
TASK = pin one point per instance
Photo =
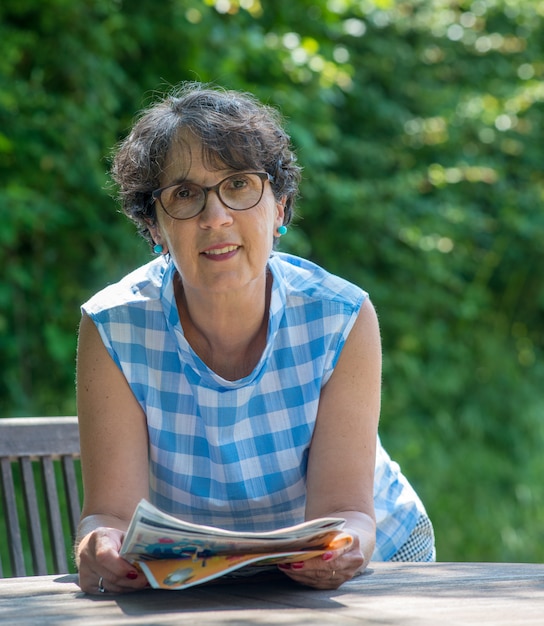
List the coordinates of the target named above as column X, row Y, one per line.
column 219, row 249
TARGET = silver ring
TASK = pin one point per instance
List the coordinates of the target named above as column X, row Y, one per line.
column 101, row 585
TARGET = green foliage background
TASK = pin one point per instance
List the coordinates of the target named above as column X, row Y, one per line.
column 419, row 125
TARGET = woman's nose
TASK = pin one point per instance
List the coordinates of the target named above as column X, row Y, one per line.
column 215, row 213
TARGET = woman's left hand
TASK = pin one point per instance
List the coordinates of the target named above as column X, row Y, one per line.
column 330, row 570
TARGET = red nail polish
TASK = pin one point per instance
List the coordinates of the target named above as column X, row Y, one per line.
column 297, row 565
column 284, row 565
column 132, row 575
column 327, row 556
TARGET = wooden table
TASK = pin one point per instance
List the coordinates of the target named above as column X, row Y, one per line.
column 406, row 594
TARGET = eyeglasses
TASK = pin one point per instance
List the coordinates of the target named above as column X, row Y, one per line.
column 238, row 192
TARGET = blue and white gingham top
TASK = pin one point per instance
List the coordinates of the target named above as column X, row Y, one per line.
column 234, row 453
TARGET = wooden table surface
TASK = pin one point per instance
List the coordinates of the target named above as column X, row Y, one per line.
column 399, row 594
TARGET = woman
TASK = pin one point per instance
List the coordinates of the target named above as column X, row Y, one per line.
column 229, row 384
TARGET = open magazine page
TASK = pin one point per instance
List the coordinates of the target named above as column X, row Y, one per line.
column 175, row 554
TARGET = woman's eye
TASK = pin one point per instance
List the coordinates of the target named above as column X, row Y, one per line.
column 183, row 192
column 238, row 183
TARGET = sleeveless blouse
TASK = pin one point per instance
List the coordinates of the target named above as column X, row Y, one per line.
column 234, row 454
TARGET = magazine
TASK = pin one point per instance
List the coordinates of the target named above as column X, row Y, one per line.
column 174, row 554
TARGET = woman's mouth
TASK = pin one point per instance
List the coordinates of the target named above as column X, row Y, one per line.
column 221, row 252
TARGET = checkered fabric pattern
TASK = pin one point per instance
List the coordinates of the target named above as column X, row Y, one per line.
column 420, row 543
column 234, row 453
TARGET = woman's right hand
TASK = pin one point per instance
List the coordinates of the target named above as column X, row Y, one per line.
column 101, row 568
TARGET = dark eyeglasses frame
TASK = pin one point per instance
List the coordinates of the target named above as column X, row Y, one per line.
column 264, row 176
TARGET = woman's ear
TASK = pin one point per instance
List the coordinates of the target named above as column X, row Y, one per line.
column 160, row 246
column 280, row 208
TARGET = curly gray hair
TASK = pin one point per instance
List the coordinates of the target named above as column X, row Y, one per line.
column 235, row 130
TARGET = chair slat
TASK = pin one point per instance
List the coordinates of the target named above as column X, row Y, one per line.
column 15, row 543
column 72, row 493
column 54, row 516
column 33, row 517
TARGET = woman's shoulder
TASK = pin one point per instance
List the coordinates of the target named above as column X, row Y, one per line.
column 304, row 278
column 142, row 285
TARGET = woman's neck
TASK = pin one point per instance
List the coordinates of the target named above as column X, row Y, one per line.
column 227, row 330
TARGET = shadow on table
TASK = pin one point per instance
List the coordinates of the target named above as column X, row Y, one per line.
column 268, row 592
column 276, row 595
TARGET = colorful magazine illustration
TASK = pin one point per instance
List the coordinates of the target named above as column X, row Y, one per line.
column 174, row 554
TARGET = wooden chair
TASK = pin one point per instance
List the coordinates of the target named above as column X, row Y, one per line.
column 37, row 455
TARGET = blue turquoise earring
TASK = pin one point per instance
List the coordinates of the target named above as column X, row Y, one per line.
column 157, row 248
column 282, row 230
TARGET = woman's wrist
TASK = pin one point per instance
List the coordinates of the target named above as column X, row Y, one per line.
column 362, row 528
column 91, row 523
